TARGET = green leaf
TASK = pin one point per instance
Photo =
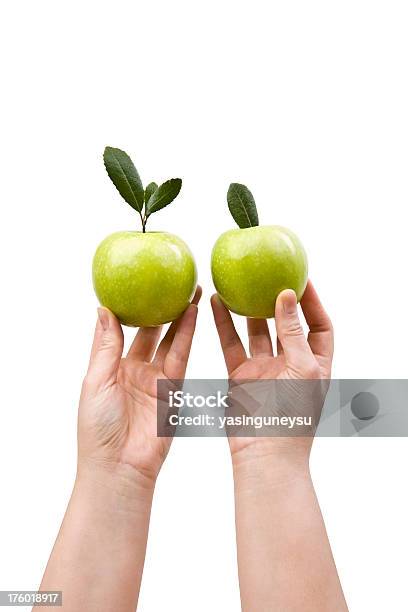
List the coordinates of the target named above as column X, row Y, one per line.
column 163, row 195
column 149, row 191
column 124, row 176
column 242, row 205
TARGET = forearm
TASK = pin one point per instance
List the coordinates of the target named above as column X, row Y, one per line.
column 284, row 556
column 97, row 560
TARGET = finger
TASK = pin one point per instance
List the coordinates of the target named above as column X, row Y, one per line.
column 320, row 335
column 165, row 344
column 106, row 351
column 234, row 352
column 260, row 344
column 297, row 351
column 144, row 343
column 175, row 362
column 279, row 348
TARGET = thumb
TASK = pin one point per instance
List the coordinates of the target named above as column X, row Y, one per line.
column 106, row 351
column 295, row 347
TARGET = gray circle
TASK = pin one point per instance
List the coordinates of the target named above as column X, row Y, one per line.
column 365, row 406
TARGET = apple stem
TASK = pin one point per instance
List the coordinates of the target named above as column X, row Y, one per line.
column 143, row 220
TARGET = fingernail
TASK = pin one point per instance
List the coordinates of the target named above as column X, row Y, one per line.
column 103, row 318
column 290, row 302
column 197, row 295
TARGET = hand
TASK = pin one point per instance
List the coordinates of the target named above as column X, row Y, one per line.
column 117, row 412
column 297, row 358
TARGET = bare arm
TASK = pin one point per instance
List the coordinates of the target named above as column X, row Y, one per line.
column 97, row 560
column 284, row 557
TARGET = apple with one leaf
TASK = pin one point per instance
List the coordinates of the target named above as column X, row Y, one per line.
column 144, row 278
column 251, row 265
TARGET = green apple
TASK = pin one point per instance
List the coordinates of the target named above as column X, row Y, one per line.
column 144, row 278
column 250, row 266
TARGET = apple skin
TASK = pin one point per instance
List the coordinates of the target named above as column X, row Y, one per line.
column 251, row 266
column 145, row 279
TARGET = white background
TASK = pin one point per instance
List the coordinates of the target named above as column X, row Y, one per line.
column 306, row 103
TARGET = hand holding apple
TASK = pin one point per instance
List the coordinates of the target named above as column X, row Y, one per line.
column 250, row 266
column 298, row 357
column 144, row 278
column 118, row 409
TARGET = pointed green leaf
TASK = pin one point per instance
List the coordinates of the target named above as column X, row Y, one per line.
column 163, row 195
column 149, row 191
column 124, row 176
column 242, row 205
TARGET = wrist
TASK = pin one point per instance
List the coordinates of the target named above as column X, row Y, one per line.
column 120, row 485
column 271, row 462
